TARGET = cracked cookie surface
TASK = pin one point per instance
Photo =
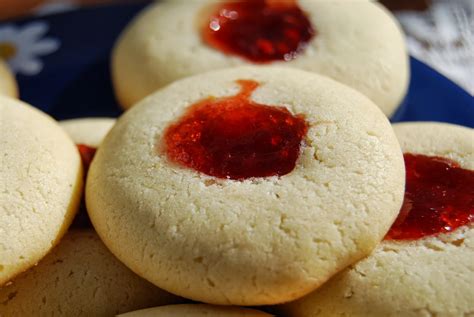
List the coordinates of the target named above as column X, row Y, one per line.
column 41, row 185
column 260, row 240
column 80, row 277
column 430, row 276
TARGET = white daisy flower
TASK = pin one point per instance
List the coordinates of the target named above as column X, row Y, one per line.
column 22, row 46
column 56, row 6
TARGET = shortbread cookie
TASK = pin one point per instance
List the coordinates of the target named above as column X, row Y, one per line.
column 358, row 43
column 41, row 185
column 246, row 186
column 425, row 266
column 195, row 310
column 8, row 85
column 80, row 277
column 87, row 133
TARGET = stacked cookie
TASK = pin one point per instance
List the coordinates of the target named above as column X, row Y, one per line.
column 266, row 184
column 357, row 43
column 216, row 215
column 79, row 277
column 196, row 310
column 41, row 176
column 425, row 264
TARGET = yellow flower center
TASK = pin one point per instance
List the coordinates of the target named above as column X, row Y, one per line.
column 7, row 50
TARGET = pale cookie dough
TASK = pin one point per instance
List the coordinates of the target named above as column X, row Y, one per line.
column 88, row 131
column 358, row 43
column 8, row 85
column 40, row 187
column 257, row 241
column 432, row 276
column 196, row 310
column 80, row 277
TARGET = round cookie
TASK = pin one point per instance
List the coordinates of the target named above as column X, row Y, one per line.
column 357, row 43
column 41, row 185
column 80, row 277
column 430, row 276
column 258, row 240
column 88, row 131
column 195, row 310
column 8, row 85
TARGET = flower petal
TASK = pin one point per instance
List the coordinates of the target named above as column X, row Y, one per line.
column 8, row 33
column 30, row 67
column 56, row 7
column 45, row 46
column 33, row 31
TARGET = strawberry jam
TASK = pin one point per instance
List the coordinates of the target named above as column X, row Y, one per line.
column 439, row 197
column 259, row 30
column 87, row 154
column 82, row 219
column 235, row 137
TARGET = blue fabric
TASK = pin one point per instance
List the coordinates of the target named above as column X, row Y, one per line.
column 75, row 80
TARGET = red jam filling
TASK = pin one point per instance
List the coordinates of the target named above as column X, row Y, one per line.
column 82, row 219
column 87, row 154
column 259, row 30
column 235, row 137
column 439, row 197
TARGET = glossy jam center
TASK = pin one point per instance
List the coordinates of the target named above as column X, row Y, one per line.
column 259, row 30
column 87, row 154
column 439, row 197
column 236, row 138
